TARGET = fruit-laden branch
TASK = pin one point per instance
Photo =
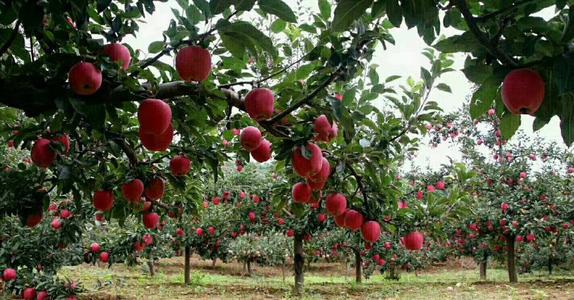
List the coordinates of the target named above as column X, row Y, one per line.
column 481, row 37
column 360, row 184
column 11, row 39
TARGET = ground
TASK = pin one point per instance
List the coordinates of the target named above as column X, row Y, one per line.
column 322, row 281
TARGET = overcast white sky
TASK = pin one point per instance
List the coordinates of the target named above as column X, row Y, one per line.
column 404, row 59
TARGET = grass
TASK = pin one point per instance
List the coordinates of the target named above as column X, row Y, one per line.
column 133, row 283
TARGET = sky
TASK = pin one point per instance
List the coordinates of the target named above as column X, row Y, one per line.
column 404, row 59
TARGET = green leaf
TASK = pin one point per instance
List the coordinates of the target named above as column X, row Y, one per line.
column 394, row 12
column 278, row 26
column 444, row 87
column 348, row 11
column 325, row 9
column 156, row 47
column 279, row 9
column 378, row 8
column 219, row 6
column 245, row 5
column 484, row 96
column 458, row 43
column 247, row 35
column 509, row 123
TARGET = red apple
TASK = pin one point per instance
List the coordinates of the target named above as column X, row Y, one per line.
column 250, row 138
column 353, row 219
column 56, row 224
column 263, row 152
column 29, row 294
column 307, row 164
column 371, row 231
column 154, row 116
column 301, row 192
column 118, row 53
column 523, row 91
column 63, row 139
column 103, row 200
column 180, row 233
column 260, row 104
column 95, row 248
column 211, row 230
column 322, row 128
column 322, row 218
column 65, row 214
column 252, row 217
column 290, row 233
column 133, row 190
column 193, row 63
column 155, row 189
column 139, row 246
column 180, row 165
column 414, row 241
column 151, row 220
column 440, row 185
column 320, row 178
column 43, row 295
column 104, row 257
column 148, row 239
column 9, row 274
column 159, row 142
column 199, row 232
column 336, row 204
column 216, row 201
column 340, row 219
column 33, row 220
column 43, row 155
column 85, row 78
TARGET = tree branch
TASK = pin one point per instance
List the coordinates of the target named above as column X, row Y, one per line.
column 503, row 11
column 11, row 39
column 481, row 37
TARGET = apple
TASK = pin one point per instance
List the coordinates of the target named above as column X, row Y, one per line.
column 133, row 190
column 388, row 245
column 151, row 220
column 340, row 219
column 371, row 231
column 85, row 78
column 323, row 175
column 322, row 218
column 420, row 195
column 250, row 138
column 199, row 232
column 139, row 246
column 103, row 200
column 104, row 257
column 43, row 155
column 180, row 165
column 440, row 185
column 65, row 214
column 301, row 192
column 336, row 204
column 180, row 233
column 504, row 207
column 193, row 63
column 154, row 116
column 322, row 127
column 290, row 233
column 95, row 248
column 216, row 201
column 211, row 230
column 9, row 274
column 403, row 204
column 263, row 152
column 491, row 112
column 381, row 262
column 63, row 139
column 252, row 217
column 531, row 237
column 260, row 104
column 414, row 240
column 56, row 224
column 100, row 217
column 523, row 91
column 523, row 175
column 159, row 142
column 353, row 219
column 308, row 164
column 29, row 294
column 333, row 132
column 118, row 53
column 431, row 189
column 43, row 295
column 148, row 239
column 155, row 189
column 32, row 220
column 339, row 97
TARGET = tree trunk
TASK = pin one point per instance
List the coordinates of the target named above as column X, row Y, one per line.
column 283, row 271
column 511, row 260
column 299, row 262
column 213, row 262
column 151, row 267
column 483, row 270
column 550, row 264
column 392, row 273
column 358, row 269
column 187, row 266
column 249, row 268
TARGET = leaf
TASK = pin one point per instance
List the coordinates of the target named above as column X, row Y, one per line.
column 509, row 123
column 325, row 9
column 279, row 9
column 394, row 12
column 444, row 87
column 245, row 5
column 348, row 11
column 248, row 35
column 465, row 42
column 483, row 98
column 278, row 26
column 219, row 6
column 378, row 8
column 203, row 5
column 102, row 5
column 156, row 47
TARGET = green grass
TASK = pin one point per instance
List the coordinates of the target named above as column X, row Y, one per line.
column 134, row 283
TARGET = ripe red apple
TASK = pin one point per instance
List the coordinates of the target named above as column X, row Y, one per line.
column 85, row 78
column 104, row 257
column 139, row 246
column 403, row 204
column 193, row 63
column 151, row 220
column 414, row 240
column 199, row 232
column 65, row 214
column 290, row 233
column 340, row 219
column 157, row 142
column 154, row 116
column 180, row 165
column 155, row 189
column 118, row 53
column 309, row 164
column 103, row 200
column 523, row 91
column 33, row 220
column 260, row 104
column 216, row 201
column 263, row 152
column 301, row 192
column 371, row 231
column 318, row 180
column 252, row 217
column 211, row 230
column 531, row 237
column 353, row 219
column 56, row 224
column 336, row 204
column 339, row 97
column 133, row 190
column 148, row 239
column 95, row 248
column 63, row 139
column 29, row 294
column 43, row 295
column 322, row 128
column 43, row 155
column 180, row 233
column 440, row 185
column 322, row 218
column 250, row 138
column 9, row 274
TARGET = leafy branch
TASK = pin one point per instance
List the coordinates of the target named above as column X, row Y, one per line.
column 11, row 39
